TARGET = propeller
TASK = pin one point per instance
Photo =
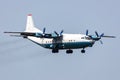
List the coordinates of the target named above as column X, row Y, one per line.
column 60, row 34
column 48, row 35
column 98, row 37
column 102, row 35
column 43, row 34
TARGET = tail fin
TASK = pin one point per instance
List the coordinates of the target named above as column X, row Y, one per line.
column 30, row 25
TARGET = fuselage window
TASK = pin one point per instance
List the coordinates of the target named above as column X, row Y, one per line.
column 70, row 40
column 82, row 37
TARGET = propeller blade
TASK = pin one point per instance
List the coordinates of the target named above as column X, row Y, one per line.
column 44, row 29
column 61, row 33
column 96, row 34
column 87, row 32
column 56, row 33
column 101, row 42
column 102, row 35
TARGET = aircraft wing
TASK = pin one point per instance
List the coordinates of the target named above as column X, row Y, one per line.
column 34, row 34
column 109, row 36
column 24, row 34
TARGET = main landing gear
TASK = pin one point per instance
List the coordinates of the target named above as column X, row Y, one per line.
column 69, row 51
column 55, row 50
column 83, row 51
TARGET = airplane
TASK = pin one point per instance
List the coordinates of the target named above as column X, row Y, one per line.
column 58, row 41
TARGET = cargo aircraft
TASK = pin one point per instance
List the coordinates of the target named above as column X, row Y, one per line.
column 58, row 41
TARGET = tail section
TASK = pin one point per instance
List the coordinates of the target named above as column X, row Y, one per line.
column 30, row 25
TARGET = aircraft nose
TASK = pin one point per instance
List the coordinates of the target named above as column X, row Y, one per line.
column 92, row 42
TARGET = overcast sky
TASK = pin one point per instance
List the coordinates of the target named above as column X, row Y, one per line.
column 20, row 59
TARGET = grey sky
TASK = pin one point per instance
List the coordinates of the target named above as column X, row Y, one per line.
column 21, row 59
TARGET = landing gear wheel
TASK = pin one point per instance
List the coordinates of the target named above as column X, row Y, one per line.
column 55, row 51
column 69, row 51
column 83, row 51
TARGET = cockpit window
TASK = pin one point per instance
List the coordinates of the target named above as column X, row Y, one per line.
column 88, row 38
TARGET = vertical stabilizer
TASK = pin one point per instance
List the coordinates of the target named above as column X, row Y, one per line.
column 30, row 25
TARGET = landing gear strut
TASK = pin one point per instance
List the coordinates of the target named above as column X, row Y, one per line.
column 69, row 51
column 55, row 50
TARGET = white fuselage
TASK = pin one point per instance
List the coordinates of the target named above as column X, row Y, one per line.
column 68, row 41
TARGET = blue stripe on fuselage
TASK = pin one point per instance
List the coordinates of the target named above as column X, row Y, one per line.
column 69, row 45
